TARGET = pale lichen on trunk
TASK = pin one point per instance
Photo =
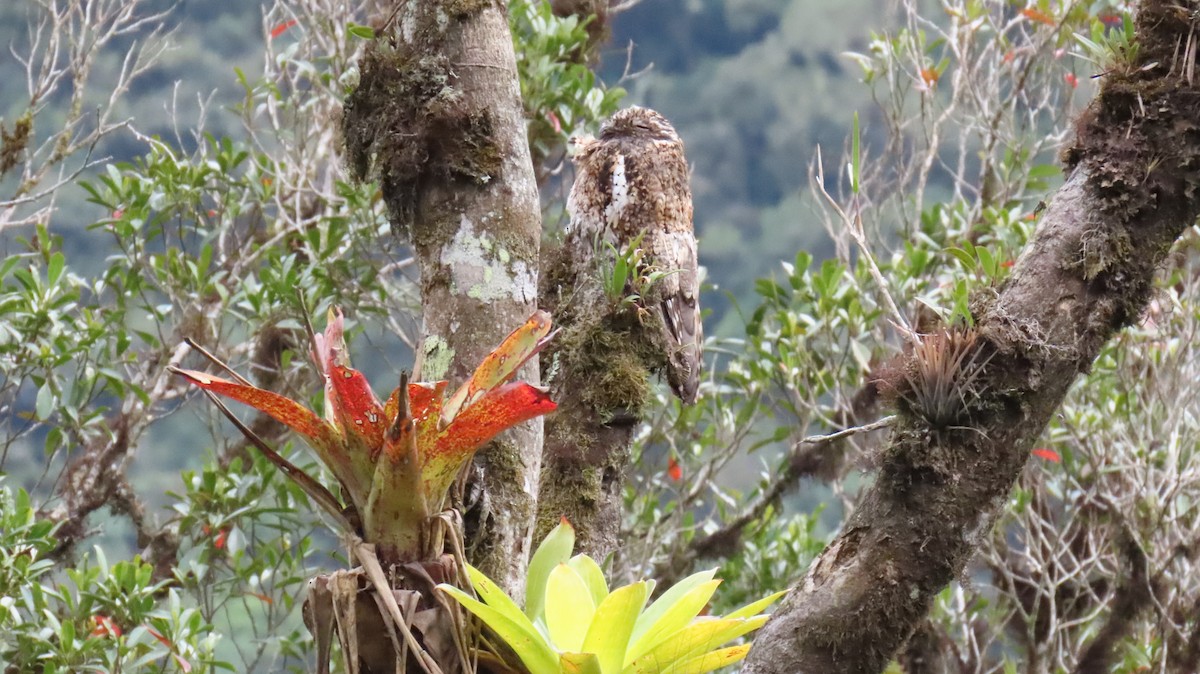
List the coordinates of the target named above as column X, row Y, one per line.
column 1133, row 188
column 438, row 120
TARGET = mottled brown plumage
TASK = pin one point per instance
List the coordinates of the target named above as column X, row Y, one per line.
column 631, row 180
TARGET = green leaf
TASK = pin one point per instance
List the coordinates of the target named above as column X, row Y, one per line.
column 54, row 268
column 516, row 631
column 590, row 572
column 555, row 548
column 677, row 610
column 44, row 404
column 693, row 640
column 987, row 261
column 722, row 657
column 608, row 635
column 965, row 258
column 569, row 608
column 1045, row 171
column 579, row 663
column 753, row 609
column 363, row 32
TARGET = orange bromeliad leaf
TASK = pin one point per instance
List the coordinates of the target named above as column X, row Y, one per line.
column 500, row 365
column 497, row 410
column 323, row 437
column 350, row 405
column 284, row 410
column 395, row 460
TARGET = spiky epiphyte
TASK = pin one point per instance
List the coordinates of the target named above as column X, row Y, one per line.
column 941, row 378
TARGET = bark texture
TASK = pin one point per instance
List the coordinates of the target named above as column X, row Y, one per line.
column 1133, row 188
column 437, row 119
column 599, row 371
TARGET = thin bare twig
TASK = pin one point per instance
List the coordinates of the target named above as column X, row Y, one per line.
column 726, row 539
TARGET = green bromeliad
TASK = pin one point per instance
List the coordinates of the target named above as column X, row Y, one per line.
column 573, row 624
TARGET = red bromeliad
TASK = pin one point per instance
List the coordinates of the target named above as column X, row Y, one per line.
column 394, row 460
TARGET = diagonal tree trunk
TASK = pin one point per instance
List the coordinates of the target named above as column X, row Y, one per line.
column 437, row 118
column 1133, row 188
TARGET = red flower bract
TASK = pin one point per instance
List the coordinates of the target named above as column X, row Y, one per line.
column 674, row 470
column 1047, row 454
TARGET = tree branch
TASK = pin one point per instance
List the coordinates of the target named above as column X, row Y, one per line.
column 806, row 457
column 1132, row 597
column 1133, row 188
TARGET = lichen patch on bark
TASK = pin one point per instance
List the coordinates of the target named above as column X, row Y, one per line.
column 436, row 357
column 483, row 269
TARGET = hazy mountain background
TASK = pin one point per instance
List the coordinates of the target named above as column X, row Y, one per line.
column 752, row 85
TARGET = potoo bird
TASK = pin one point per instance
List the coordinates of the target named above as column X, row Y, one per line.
column 633, row 181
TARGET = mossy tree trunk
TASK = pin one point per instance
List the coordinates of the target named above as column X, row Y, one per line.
column 437, row 119
column 1133, row 188
column 599, row 371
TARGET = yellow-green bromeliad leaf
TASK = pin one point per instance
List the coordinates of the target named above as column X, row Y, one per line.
column 514, row 630
column 574, row 625
column 579, row 663
column 668, row 613
column 554, row 550
column 722, row 657
column 590, row 572
column 692, row 641
column 612, row 624
column 569, row 609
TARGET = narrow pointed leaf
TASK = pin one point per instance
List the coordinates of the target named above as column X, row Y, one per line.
column 500, row 365
column 695, row 639
column 400, row 437
column 491, row 593
column 315, row 490
column 753, row 609
column 608, row 635
column 216, row 361
column 722, row 657
column 590, row 572
column 517, row 632
column 676, row 617
column 569, row 608
column 284, row 410
column 554, row 549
